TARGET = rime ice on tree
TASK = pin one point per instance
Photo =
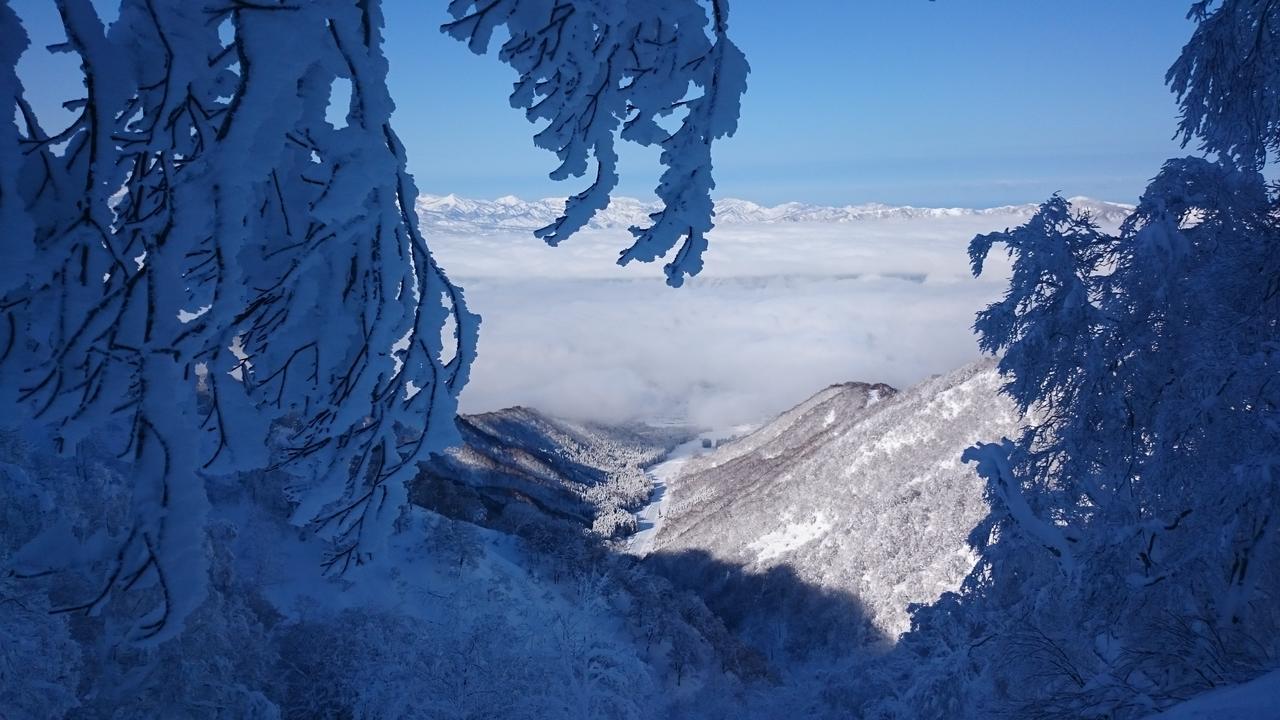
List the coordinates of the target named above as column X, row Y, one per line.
column 204, row 271
column 597, row 70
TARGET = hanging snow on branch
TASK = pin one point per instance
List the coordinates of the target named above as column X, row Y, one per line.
column 1228, row 82
column 214, row 264
column 203, row 270
column 1147, row 472
column 598, row 70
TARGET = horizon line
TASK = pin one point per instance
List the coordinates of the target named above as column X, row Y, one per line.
column 1074, row 199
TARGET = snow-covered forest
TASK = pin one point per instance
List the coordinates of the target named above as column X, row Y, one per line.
column 240, row 476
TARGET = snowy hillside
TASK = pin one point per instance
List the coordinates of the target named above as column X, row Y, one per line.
column 585, row 474
column 858, row 493
column 1256, row 700
column 457, row 214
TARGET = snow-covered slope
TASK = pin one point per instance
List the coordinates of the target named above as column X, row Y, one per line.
column 802, row 424
column 857, row 496
column 587, row 474
column 453, row 213
column 1256, row 700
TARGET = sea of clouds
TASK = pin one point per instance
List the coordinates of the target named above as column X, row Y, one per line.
column 781, row 311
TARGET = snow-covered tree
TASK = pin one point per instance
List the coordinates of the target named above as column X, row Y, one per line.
column 597, row 70
column 204, row 271
column 1132, row 556
column 1227, row 80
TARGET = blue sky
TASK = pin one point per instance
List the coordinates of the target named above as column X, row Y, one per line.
column 902, row 101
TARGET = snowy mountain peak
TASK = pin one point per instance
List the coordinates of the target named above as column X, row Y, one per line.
column 858, row 490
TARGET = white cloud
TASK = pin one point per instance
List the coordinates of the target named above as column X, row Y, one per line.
column 781, row 311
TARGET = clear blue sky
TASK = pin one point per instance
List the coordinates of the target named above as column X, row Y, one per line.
column 957, row 102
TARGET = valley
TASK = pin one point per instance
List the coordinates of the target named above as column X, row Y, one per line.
column 333, row 389
column 798, row 545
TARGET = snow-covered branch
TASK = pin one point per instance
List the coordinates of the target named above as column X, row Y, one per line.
column 597, row 70
column 223, row 281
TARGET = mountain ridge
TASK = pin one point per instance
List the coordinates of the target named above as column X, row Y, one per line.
column 858, row 490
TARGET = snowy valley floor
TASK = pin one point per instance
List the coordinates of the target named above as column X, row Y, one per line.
column 663, row 476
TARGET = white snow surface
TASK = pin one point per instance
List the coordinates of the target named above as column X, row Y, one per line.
column 789, row 537
column 650, row 518
column 1256, row 700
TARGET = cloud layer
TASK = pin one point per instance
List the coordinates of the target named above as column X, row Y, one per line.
column 782, row 310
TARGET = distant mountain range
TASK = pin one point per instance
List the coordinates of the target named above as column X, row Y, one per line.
column 457, row 214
